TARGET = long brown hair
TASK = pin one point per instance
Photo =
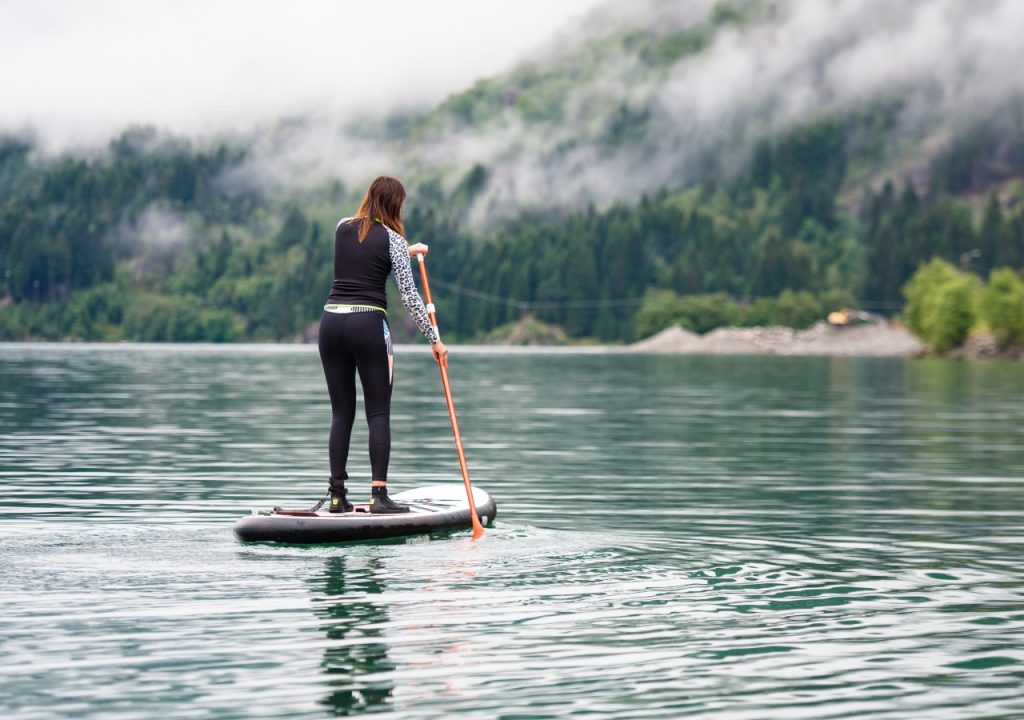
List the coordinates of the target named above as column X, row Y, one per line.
column 381, row 203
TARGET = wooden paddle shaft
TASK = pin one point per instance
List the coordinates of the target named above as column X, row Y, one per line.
column 478, row 529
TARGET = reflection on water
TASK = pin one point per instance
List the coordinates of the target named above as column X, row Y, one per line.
column 678, row 536
column 358, row 654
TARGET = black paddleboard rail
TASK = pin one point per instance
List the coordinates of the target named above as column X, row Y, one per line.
column 305, row 528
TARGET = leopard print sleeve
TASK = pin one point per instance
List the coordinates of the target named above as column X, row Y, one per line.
column 402, row 269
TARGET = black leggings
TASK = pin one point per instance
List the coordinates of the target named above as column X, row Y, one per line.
column 358, row 341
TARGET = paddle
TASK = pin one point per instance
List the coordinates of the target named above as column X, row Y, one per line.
column 478, row 529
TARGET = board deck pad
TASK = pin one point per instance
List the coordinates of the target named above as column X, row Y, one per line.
column 431, row 508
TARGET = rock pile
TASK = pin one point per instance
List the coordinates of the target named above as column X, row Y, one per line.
column 872, row 340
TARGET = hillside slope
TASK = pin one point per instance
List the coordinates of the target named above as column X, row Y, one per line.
column 747, row 148
column 664, row 95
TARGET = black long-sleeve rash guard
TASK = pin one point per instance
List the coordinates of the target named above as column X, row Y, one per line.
column 361, row 271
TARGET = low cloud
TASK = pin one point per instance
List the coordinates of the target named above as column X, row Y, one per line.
column 158, row 230
column 948, row 61
column 77, row 73
column 623, row 129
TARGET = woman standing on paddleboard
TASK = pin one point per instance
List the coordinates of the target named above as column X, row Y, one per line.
column 354, row 333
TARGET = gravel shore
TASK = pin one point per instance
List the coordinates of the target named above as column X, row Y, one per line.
column 870, row 340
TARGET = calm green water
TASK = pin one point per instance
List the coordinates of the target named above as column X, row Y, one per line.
column 708, row 537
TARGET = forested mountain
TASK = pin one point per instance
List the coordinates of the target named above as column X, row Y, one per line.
column 629, row 163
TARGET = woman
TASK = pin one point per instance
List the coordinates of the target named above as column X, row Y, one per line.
column 354, row 334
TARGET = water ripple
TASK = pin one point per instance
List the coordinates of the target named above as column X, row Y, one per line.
column 677, row 537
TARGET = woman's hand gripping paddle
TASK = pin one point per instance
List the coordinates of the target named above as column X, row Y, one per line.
column 478, row 529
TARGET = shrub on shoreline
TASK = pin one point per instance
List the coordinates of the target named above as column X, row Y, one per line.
column 941, row 307
column 1002, row 306
column 703, row 313
column 944, row 305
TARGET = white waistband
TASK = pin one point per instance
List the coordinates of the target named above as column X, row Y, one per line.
column 345, row 309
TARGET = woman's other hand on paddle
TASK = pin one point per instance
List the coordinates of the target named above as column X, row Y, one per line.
column 440, row 353
column 418, row 249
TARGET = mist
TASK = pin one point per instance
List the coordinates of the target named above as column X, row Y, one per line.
column 76, row 74
column 312, row 114
column 948, row 62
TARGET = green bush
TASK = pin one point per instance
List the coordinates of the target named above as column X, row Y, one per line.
column 220, row 326
column 702, row 313
column 93, row 314
column 941, row 304
column 791, row 309
column 659, row 311
column 698, row 313
column 920, row 291
column 149, row 317
column 1002, row 306
column 12, row 325
column 799, row 309
column 955, row 313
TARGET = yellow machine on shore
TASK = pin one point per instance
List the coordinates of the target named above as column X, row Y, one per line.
column 846, row 316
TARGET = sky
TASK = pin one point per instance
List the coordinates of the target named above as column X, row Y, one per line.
column 78, row 72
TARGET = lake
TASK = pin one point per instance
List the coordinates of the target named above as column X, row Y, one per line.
column 727, row 537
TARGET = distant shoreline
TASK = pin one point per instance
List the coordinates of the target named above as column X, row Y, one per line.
column 876, row 340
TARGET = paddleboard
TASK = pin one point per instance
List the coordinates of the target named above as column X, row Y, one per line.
column 432, row 508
